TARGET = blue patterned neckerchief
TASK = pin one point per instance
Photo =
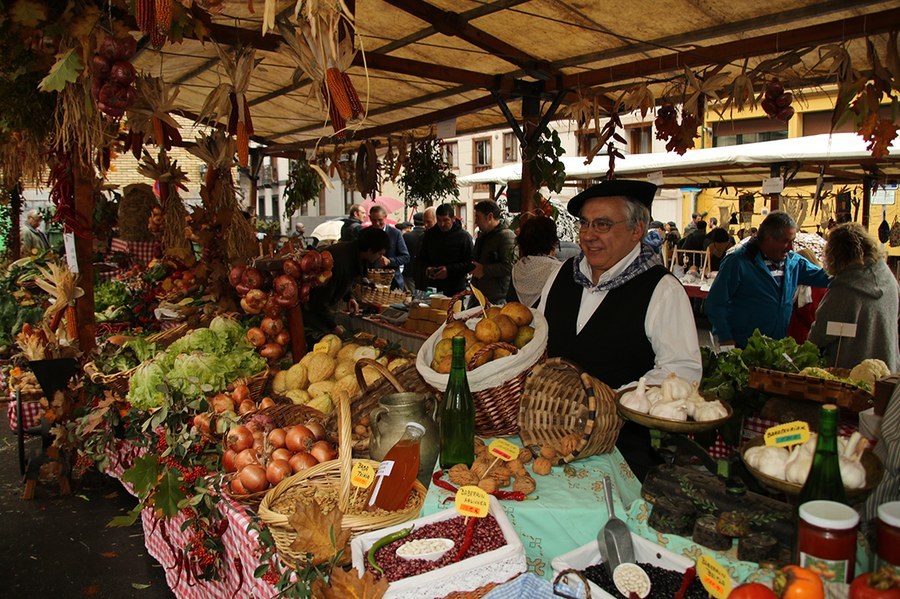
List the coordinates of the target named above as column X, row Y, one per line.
column 646, row 259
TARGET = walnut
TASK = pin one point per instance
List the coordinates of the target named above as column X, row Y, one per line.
column 461, row 476
column 479, row 468
column 542, row 466
column 479, row 443
column 488, row 484
column 516, row 467
column 525, row 456
column 481, row 451
column 524, row 484
column 548, row 452
column 569, row 443
column 501, row 478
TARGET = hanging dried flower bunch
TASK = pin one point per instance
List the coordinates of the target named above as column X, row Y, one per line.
column 171, row 178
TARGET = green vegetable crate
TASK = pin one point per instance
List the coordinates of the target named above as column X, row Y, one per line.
column 819, row 390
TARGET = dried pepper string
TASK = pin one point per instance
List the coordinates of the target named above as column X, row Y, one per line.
column 502, row 495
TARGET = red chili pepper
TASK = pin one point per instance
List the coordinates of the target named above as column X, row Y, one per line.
column 467, row 538
column 240, row 574
column 689, row 575
column 512, row 495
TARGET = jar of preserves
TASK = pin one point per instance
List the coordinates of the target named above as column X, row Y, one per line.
column 888, row 537
column 826, row 540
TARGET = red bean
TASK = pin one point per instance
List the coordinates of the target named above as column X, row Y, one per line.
column 488, row 537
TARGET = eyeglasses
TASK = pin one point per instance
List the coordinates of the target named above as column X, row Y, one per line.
column 600, row 225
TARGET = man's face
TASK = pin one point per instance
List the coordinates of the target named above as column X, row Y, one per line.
column 300, row 228
column 34, row 221
column 485, row 222
column 377, row 219
column 357, row 214
column 777, row 248
column 428, row 220
column 603, row 250
column 445, row 223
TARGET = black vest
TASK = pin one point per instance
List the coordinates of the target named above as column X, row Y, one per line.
column 613, row 345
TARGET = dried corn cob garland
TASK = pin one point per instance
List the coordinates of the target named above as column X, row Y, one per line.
column 149, row 117
column 61, row 284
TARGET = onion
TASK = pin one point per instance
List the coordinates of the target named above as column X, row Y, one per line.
column 291, row 268
column 201, row 421
column 255, row 336
column 277, row 438
column 246, row 307
column 299, row 438
column 222, row 403
column 259, row 442
column 122, row 72
column 317, row 429
column 241, row 289
column 248, row 406
column 271, row 351
column 240, row 393
column 305, row 290
column 311, row 262
column 271, row 326
column 239, row 438
column 323, row 451
column 302, row 461
column 253, row 278
column 256, row 299
column 237, row 487
column 282, row 454
column 267, row 402
column 327, row 261
column 272, row 309
column 235, row 275
column 277, row 470
column 283, row 338
column 228, row 460
column 245, row 458
column 253, row 478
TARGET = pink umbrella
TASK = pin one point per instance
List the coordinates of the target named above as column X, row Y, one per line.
column 387, row 202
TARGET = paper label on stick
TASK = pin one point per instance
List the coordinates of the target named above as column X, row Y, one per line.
column 773, row 185
column 503, row 449
column 714, row 577
column 787, row 434
column 472, row 501
column 840, row 329
column 71, row 256
column 362, row 475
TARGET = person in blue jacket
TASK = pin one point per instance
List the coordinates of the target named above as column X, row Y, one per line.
column 756, row 283
column 397, row 254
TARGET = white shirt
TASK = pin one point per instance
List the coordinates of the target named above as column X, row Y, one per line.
column 669, row 324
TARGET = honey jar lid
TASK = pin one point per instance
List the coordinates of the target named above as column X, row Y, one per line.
column 889, row 513
column 829, row 514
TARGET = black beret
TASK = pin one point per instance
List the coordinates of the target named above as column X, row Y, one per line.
column 641, row 191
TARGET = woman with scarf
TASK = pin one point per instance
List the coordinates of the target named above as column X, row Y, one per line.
column 537, row 242
column 633, row 318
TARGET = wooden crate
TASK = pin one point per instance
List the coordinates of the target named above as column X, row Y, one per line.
column 798, row 386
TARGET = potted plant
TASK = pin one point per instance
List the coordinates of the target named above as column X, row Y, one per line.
column 303, row 186
column 426, row 177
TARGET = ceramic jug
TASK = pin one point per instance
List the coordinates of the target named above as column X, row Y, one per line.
column 388, row 421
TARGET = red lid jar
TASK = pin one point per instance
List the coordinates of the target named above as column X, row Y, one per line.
column 888, row 536
column 826, row 540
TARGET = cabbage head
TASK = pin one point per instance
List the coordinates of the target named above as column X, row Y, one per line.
column 143, row 393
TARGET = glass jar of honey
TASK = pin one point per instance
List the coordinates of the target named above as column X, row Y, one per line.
column 888, row 537
column 826, row 540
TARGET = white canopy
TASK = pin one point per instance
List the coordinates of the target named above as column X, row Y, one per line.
column 845, row 155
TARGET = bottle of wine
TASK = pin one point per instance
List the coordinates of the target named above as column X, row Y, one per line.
column 457, row 413
column 824, row 481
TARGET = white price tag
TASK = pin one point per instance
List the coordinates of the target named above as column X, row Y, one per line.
column 71, row 257
column 773, row 185
column 840, row 329
column 885, row 195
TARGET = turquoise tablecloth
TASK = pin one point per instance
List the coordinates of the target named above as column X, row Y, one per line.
column 570, row 509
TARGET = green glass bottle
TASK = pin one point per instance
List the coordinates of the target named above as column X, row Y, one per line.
column 824, row 481
column 457, row 413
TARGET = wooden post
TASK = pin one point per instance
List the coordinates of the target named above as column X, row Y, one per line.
column 15, row 221
column 531, row 114
column 298, row 334
column 84, row 251
column 774, row 171
column 866, row 201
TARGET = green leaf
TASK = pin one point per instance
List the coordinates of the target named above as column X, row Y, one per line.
column 28, row 13
column 143, row 475
column 66, row 69
column 169, row 494
column 139, row 585
column 127, row 520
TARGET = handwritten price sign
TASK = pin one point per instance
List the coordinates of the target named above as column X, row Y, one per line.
column 789, row 433
column 362, row 475
column 472, row 501
column 714, row 577
column 503, row 449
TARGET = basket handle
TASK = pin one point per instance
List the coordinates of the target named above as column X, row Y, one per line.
column 345, row 450
column 456, row 298
column 491, row 347
column 361, row 380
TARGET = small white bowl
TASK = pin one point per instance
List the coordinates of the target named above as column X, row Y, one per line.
column 404, row 550
column 631, row 578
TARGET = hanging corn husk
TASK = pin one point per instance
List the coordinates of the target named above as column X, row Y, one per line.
column 60, row 283
column 149, row 117
column 171, row 178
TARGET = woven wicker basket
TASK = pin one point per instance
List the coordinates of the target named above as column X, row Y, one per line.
column 331, row 479
column 166, row 337
column 380, row 276
column 116, row 382
column 569, row 410
column 497, row 408
column 381, row 295
column 799, row 386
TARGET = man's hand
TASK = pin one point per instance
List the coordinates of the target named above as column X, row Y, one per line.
column 354, row 307
column 385, row 261
column 478, row 271
column 440, row 273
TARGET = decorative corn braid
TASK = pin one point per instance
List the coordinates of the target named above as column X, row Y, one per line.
column 145, row 15
column 337, row 121
column 243, row 144
column 349, row 89
column 335, row 84
column 159, row 132
column 71, row 322
column 164, row 16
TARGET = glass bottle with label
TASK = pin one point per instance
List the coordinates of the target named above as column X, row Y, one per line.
column 457, row 413
column 397, row 473
column 824, row 481
column 826, row 539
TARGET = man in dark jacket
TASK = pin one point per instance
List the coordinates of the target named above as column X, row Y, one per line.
column 397, row 255
column 493, row 252
column 413, row 239
column 695, row 241
column 445, row 256
column 353, row 223
column 350, row 260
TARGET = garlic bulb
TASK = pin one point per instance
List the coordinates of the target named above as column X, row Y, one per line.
column 671, row 410
column 637, row 400
column 852, row 474
column 654, row 395
column 675, row 387
column 694, row 400
column 709, row 410
column 798, row 465
column 771, row 456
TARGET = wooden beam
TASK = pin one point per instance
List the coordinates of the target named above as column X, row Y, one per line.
column 454, row 24
column 729, row 51
column 84, row 252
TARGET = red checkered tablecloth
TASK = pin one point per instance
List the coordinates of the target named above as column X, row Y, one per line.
column 163, row 537
column 31, row 414
column 140, row 251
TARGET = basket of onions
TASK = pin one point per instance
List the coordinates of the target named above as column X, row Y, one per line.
column 328, row 484
column 271, row 444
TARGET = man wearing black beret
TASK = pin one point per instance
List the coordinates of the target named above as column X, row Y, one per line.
column 634, row 318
